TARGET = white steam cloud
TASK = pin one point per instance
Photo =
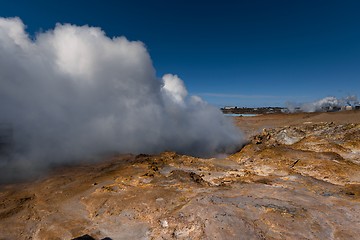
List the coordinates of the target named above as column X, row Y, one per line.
column 72, row 93
column 324, row 104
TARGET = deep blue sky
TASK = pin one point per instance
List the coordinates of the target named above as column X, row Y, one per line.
column 244, row 53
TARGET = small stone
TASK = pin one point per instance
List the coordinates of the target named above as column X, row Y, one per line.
column 164, row 223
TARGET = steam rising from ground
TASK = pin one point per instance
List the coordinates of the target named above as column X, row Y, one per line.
column 324, row 104
column 73, row 93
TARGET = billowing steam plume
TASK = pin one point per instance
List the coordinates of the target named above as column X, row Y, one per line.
column 73, row 93
column 325, row 104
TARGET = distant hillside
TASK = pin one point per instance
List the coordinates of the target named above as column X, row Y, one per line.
column 245, row 110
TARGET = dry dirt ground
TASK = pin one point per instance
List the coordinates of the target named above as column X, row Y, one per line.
column 297, row 178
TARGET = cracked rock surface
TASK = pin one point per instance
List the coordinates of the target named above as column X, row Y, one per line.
column 297, row 178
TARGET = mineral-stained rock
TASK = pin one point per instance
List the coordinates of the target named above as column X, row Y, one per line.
column 299, row 181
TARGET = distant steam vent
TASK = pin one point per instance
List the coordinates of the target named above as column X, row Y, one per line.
column 327, row 104
column 6, row 139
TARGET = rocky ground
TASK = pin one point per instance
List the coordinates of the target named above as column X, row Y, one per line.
column 297, row 178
